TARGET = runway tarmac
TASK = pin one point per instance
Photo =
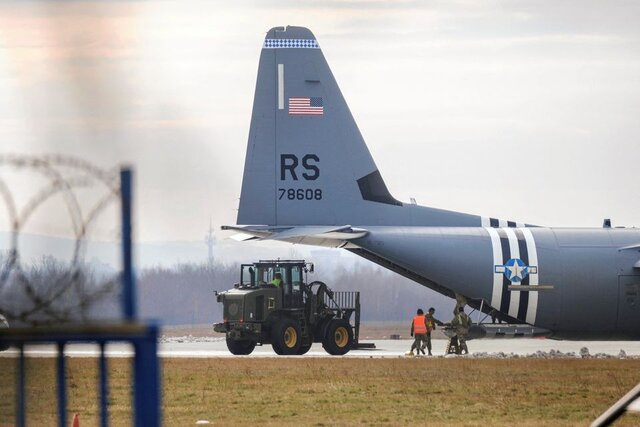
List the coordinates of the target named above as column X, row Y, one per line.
column 493, row 348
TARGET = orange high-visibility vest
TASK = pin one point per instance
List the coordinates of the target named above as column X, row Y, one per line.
column 418, row 325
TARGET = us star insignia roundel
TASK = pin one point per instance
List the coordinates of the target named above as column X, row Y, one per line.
column 515, row 270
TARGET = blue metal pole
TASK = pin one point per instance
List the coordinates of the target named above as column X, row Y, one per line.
column 128, row 279
column 62, row 388
column 20, row 395
column 146, row 388
column 104, row 388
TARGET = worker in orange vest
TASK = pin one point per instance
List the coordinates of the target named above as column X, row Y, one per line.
column 419, row 330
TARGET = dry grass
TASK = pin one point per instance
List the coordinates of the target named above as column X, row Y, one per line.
column 334, row 391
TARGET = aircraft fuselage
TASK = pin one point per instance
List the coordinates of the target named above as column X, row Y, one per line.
column 587, row 279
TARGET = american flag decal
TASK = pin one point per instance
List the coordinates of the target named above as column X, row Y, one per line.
column 306, row 106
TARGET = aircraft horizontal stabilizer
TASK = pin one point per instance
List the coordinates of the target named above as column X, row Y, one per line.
column 630, row 248
column 330, row 236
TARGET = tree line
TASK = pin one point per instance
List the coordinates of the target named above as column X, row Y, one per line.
column 51, row 291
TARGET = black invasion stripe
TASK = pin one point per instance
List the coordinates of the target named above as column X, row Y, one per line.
column 494, row 222
column 524, row 256
column 511, row 224
column 506, row 256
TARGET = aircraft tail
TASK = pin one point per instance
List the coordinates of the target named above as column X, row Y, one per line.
column 306, row 161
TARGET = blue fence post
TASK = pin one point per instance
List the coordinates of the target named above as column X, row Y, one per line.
column 104, row 388
column 62, row 388
column 147, row 379
column 20, row 396
column 128, row 279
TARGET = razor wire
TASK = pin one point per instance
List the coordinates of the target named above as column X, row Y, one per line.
column 54, row 292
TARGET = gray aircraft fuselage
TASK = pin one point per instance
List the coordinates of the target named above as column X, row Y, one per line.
column 595, row 284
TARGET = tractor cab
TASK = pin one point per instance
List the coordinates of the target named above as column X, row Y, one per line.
column 290, row 276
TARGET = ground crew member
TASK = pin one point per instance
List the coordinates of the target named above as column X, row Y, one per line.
column 431, row 325
column 494, row 316
column 277, row 280
column 419, row 330
column 462, row 322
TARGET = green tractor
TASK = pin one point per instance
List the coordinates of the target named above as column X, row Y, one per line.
column 274, row 304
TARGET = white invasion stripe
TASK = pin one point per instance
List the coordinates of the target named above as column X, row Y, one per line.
column 502, row 223
column 514, row 303
column 485, row 222
column 496, row 295
column 532, row 307
column 520, row 224
column 280, row 86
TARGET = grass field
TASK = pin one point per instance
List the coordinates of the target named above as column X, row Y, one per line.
column 334, row 391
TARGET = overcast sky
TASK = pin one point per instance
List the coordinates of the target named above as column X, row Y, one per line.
column 527, row 110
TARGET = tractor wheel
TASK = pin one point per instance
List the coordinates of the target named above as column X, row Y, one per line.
column 240, row 347
column 286, row 337
column 304, row 349
column 3, row 325
column 338, row 337
column 276, row 349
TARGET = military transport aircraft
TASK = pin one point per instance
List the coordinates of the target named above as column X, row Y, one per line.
column 310, row 179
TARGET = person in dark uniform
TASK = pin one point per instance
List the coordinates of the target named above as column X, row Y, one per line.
column 431, row 325
column 462, row 322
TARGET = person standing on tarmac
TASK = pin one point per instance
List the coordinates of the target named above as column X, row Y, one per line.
column 462, row 322
column 419, row 330
column 431, row 325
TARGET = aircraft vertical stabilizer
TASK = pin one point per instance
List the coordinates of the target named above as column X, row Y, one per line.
column 306, row 160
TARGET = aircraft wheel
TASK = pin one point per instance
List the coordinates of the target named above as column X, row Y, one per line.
column 338, row 338
column 286, row 337
column 240, row 347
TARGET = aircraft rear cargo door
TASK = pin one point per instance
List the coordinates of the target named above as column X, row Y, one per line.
column 628, row 303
